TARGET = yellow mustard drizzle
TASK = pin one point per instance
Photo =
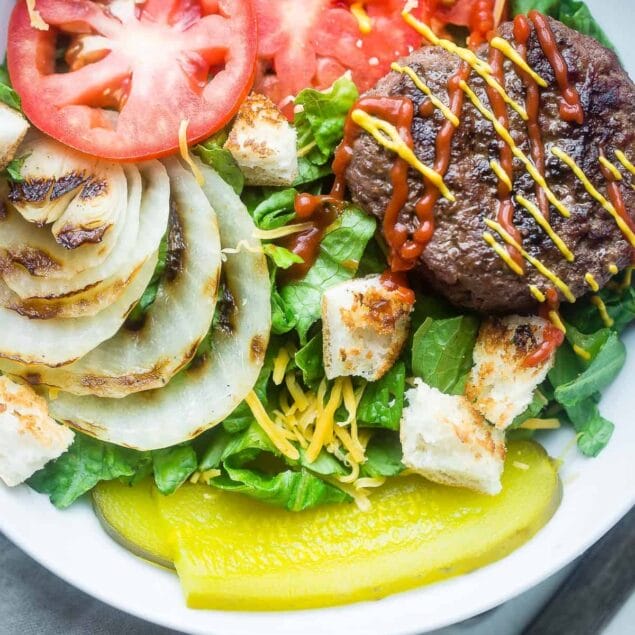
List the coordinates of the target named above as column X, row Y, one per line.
column 581, row 352
column 621, row 157
column 613, row 269
column 542, row 269
column 617, row 175
column 497, row 168
column 537, row 293
column 554, row 317
column 425, row 89
column 607, row 205
column 592, row 282
column 512, row 54
column 363, row 21
column 388, row 136
column 479, row 66
column 597, row 301
column 544, row 224
column 504, row 134
column 503, row 254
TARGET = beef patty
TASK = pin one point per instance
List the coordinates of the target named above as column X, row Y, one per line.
column 457, row 261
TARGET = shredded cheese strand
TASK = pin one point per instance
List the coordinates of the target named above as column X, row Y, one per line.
column 540, row 424
column 325, row 422
column 280, row 364
column 387, row 135
column 270, row 428
column 425, row 89
column 35, row 17
column 185, row 152
column 281, row 232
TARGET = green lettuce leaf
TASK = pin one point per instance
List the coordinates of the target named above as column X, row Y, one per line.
column 86, row 463
column 573, row 13
column 282, row 257
column 320, row 121
column 310, row 361
column 383, row 455
column 173, row 466
column 271, row 208
column 382, row 402
column 620, row 305
column 13, row 169
column 442, row 352
column 594, row 430
column 212, row 153
column 340, row 252
column 8, row 96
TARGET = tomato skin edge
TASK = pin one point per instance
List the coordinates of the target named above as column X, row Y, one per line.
column 23, row 37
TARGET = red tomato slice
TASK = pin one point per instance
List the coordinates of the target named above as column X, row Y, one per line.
column 136, row 71
column 311, row 43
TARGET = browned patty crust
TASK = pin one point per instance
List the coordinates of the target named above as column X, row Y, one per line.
column 457, row 262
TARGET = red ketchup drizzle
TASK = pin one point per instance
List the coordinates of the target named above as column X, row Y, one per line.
column 505, row 215
column 522, row 32
column 617, row 200
column 396, row 281
column 570, row 106
column 553, row 337
column 481, row 22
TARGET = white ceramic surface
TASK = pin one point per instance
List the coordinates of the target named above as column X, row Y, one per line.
column 597, row 493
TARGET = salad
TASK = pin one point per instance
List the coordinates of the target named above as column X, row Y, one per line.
column 284, row 289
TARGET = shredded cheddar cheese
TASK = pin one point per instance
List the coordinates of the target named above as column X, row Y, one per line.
column 280, row 364
column 540, row 424
column 37, row 22
column 425, row 89
column 281, row 232
column 325, row 422
column 185, row 152
column 275, row 434
column 387, row 136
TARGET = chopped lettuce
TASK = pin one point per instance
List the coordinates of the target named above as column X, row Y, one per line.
column 173, row 466
column 573, row 13
column 271, row 208
column 382, row 402
column 384, row 455
column 310, row 361
column 212, row 153
column 86, row 463
column 281, row 257
column 442, row 352
column 8, row 96
column 340, row 252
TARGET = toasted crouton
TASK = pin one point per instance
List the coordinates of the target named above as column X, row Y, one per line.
column 365, row 325
column 263, row 143
column 29, row 438
column 501, row 386
column 13, row 127
column 447, row 441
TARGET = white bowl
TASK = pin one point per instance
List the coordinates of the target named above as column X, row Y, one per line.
column 597, row 493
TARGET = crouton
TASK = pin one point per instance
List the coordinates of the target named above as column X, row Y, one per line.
column 13, row 127
column 29, row 438
column 447, row 441
column 365, row 325
column 501, row 386
column 263, row 143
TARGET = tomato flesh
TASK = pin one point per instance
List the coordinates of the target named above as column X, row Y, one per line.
column 135, row 71
column 312, row 43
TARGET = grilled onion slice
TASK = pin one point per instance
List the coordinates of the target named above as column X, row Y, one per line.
column 61, row 341
column 181, row 316
column 213, row 385
column 87, row 293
